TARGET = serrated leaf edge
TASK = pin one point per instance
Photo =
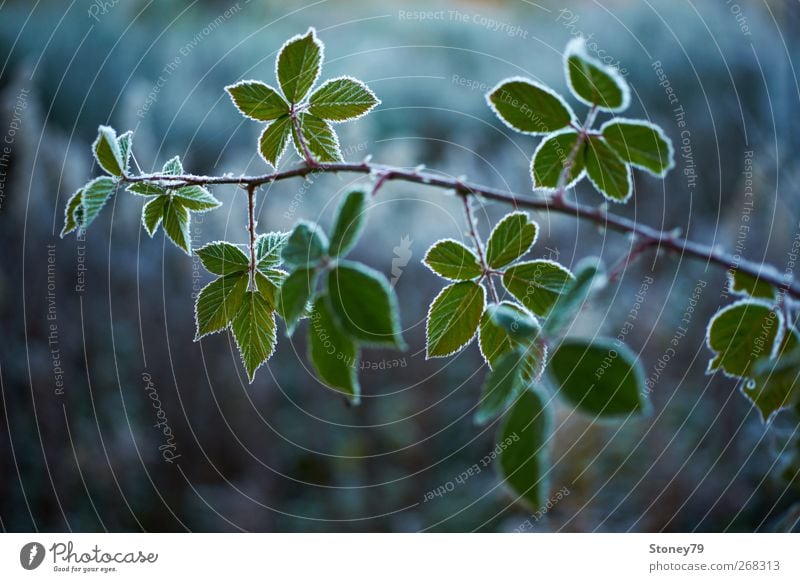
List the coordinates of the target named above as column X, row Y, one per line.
column 577, row 46
column 536, row 84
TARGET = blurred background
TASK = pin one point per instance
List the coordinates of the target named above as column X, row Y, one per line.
column 114, row 419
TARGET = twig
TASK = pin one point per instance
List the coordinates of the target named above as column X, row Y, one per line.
column 251, row 212
column 473, row 233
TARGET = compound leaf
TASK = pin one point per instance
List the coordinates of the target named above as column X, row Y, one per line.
column 318, row 136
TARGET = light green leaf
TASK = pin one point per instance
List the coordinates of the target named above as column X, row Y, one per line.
column 589, row 276
column 502, row 386
column 517, row 324
column 146, row 189
column 124, row 143
column 740, row 334
column 106, row 151
column 176, row 225
column 333, row 354
column 153, row 213
column 599, row 377
column 550, row 158
column 319, row 138
column 223, row 258
column 196, row 198
column 453, row 318
column 452, row 260
column 341, row 99
column 364, row 304
column 71, row 216
column 173, row 167
column 268, row 249
column 95, row 195
column 524, row 458
column 254, row 331
column 257, row 100
column 744, row 284
column 274, row 139
column 299, row 65
column 349, row 223
column 305, row 246
column 219, row 302
column 295, row 292
column 537, row 284
column 511, row 238
column 607, row 172
column 529, row 107
column 641, row 144
column 776, row 382
column 593, row 82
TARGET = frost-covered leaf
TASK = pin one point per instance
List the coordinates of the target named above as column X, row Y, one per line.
column 71, row 216
column 537, row 284
column 593, row 82
column 223, row 258
column 599, row 377
column 173, row 167
column 524, row 459
column 550, row 158
column 306, row 245
column 517, row 324
column 257, row 100
column 607, row 172
column 146, row 189
column 495, row 340
column 107, row 152
column 295, row 292
column 740, row 334
column 268, row 249
column 453, row 318
column 176, row 225
column 299, row 65
column 219, row 302
column 153, row 213
column 364, row 304
column 254, row 331
column 95, row 195
column 341, row 99
column 124, row 142
column 274, row 139
column 744, row 284
column 333, row 354
column 641, row 144
column 589, row 276
column 452, row 260
column 319, row 138
column 349, row 222
column 196, row 198
column 511, row 238
column 776, row 382
column 529, row 107
column 502, row 386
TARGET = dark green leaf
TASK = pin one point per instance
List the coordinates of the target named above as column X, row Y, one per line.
column 333, row 354
column 95, row 195
column 294, row 295
column 257, row 100
column 537, row 284
column 223, row 258
column 452, row 260
column 744, row 284
column 552, row 155
column 299, row 65
column 453, row 318
column 274, row 139
column 176, row 225
column 306, row 245
column 495, row 340
column 219, row 302
column 319, row 138
column 254, row 330
column 341, row 99
column 502, row 386
column 776, row 384
column 592, row 82
column 529, row 107
column 71, row 217
column 511, row 238
column 517, row 324
column 589, row 275
column 349, row 223
column 153, row 213
column 607, row 172
column 641, row 144
column 106, row 151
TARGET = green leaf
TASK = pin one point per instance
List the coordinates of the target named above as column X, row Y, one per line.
column 599, row 377
column 744, row 284
column 607, row 172
column 529, row 107
column 124, row 143
column 452, row 260
column 95, row 195
column 333, row 354
column 153, row 213
column 107, row 152
column 305, row 246
column 349, row 223
column 268, row 249
column 740, row 334
column 176, row 225
column 589, row 276
column 299, row 65
column 274, row 139
column 537, row 284
column 364, row 304
column 257, row 100
column 341, row 99
column 196, row 198
column 453, row 318
column 517, row 324
column 294, row 295
column 641, row 144
column 593, row 82
column 495, row 340
column 550, row 158
column 71, row 217
column 219, row 302
column 319, row 138
column 173, row 167
column 223, row 258
column 502, row 386
column 146, row 189
column 776, row 384
column 511, row 238
column 269, row 284
column 254, row 331
column 524, row 457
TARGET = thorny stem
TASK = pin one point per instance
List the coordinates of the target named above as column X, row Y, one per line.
column 251, row 213
column 583, row 132
column 659, row 239
column 303, row 145
column 473, row 233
